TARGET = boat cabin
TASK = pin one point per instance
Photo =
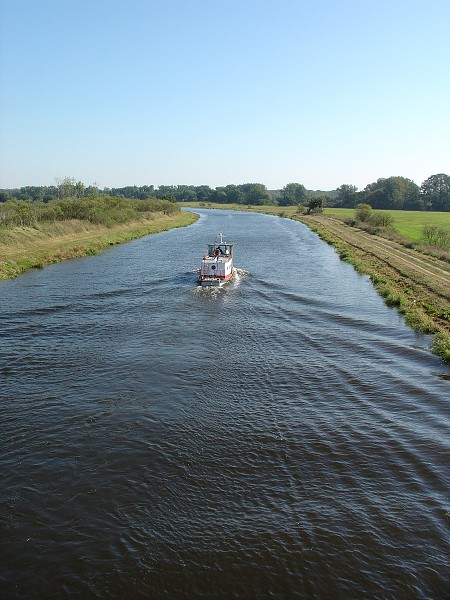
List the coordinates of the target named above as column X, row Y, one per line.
column 220, row 250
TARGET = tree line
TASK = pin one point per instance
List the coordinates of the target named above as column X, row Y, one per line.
column 399, row 193
column 247, row 193
column 391, row 193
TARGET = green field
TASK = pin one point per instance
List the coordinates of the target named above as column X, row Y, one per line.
column 407, row 223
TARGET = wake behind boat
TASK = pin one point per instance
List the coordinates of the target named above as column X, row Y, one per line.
column 216, row 266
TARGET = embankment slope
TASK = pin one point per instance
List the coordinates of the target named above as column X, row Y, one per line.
column 417, row 284
column 24, row 248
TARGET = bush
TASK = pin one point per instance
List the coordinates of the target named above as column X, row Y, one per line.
column 436, row 236
column 363, row 212
column 104, row 210
column 381, row 219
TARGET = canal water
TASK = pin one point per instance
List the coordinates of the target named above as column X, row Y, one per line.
column 286, row 436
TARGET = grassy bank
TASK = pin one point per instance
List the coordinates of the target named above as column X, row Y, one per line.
column 418, row 286
column 421, row 299
column 406, row 223
column 24, row 248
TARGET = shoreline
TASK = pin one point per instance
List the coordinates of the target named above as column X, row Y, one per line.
column 416, row 285
column 26, row 248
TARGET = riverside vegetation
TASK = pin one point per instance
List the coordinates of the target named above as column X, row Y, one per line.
column 35, row 234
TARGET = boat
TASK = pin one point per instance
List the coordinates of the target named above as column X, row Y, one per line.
column 216, row 267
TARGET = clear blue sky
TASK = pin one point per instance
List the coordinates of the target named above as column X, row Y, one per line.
column 134, row 92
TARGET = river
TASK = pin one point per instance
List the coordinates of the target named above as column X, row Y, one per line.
column 286, row 436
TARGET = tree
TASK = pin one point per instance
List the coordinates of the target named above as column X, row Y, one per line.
column 391, row 193
column 166, row 192
column 219, row 196
column 255, row 193
column 92, row 191
column 186, row 193
column 66, row 187
column 234, row 194
column 292, row 194
column 79, row 189
column 204, row 193
column 315, row 204
column 147, row 191
column 346, row 196
column 435, row 192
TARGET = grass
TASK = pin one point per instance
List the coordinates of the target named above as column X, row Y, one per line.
column 24, row 248
column 407, row 223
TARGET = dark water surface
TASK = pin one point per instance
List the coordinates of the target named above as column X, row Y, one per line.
column 286, row 436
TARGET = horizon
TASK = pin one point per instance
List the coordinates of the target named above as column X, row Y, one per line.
column 323, row 93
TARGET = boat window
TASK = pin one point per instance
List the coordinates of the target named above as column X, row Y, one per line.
column 225, row 249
